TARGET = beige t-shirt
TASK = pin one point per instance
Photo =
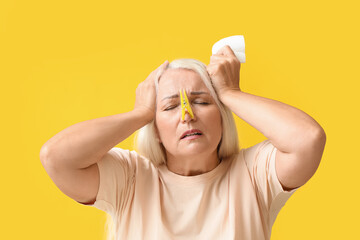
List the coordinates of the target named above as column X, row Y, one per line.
column 239, row 199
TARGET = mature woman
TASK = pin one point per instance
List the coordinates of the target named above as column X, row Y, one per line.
column 188, row 178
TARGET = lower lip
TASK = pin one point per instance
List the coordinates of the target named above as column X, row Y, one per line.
column 192, row 137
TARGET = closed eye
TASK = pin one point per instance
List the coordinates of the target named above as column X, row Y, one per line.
column 204, row 103
column 169, row 108
column 172, row 107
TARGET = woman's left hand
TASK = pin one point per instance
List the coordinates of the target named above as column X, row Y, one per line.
column 224, row 70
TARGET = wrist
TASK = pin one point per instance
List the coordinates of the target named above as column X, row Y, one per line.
column 144, row 114
column 227, row 94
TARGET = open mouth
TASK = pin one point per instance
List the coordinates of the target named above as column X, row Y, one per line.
column 194, row 133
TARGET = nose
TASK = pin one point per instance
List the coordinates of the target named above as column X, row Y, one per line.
column 187, row 117
column 186, row 111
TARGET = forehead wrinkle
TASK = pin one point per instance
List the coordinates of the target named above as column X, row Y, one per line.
column 170, row 97
column 191, row 93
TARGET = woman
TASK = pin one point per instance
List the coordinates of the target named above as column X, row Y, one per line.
column 188, row 179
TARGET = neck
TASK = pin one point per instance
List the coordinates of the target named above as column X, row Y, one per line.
column 190, row 165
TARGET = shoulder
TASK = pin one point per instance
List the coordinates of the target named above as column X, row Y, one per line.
column 252, row 152
column 132, row 158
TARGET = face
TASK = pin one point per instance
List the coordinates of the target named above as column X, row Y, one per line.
column 168, row 117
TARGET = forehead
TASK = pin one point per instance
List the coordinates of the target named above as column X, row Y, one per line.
column 174, row 79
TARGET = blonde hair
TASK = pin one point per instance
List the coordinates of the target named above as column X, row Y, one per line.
column 146, row 143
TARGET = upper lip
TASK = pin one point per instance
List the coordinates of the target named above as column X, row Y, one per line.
column 190, row 131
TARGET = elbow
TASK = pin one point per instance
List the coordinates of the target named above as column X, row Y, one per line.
column 44, row 151
column 318, row 133
column 318, row 140
column 315, row 134
column 44, row 155
column 320, row 136
column 318, row 144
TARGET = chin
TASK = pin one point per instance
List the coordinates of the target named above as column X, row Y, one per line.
column 196, row 149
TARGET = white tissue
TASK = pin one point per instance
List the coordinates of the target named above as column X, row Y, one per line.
column 236, row 43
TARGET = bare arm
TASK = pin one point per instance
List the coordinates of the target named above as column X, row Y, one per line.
column 70, row 157
column 300, row 140
column 288, row 128
column 85, row 143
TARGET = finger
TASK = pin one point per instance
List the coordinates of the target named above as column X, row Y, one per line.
column 160, row 70
column 210, row 70
column 165, row 64
column 227, row 51
column 217, row 58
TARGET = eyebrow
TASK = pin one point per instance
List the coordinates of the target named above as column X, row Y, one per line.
column 177, row 95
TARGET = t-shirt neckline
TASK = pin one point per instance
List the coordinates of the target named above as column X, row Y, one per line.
column 174, row 178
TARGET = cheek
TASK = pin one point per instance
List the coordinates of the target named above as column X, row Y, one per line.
column 165, row 124
column 213, row 115
column 214, row 120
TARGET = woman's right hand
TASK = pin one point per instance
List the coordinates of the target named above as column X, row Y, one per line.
column 146, row 94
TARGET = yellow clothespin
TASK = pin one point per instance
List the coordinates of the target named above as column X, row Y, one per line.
column 185, row 105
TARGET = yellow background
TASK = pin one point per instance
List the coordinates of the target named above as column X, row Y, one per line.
column 65, row 62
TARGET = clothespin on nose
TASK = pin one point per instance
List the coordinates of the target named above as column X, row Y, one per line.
column 185, row 105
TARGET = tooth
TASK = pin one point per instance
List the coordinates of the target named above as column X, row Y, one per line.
column 191, row 134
